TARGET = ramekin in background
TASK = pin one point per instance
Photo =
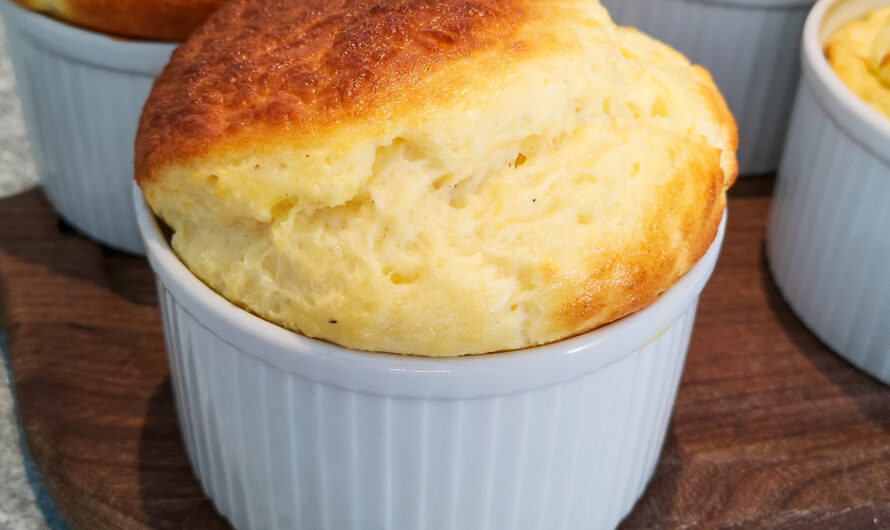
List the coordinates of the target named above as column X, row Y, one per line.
column 284, row 431
column 828, row 240
column 82, row 94
column 751, row 48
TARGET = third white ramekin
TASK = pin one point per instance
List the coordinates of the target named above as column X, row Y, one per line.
column 751, row 49
column 828, row 240
column 82, row 94
column 285, row 432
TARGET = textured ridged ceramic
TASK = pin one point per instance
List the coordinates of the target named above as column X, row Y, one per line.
column 286, row 432
column 751, row 49
column 828, row 240
column 82, row 94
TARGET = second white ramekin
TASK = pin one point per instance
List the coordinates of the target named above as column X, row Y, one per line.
column 828, row 240
column 82, row 94
column 751, row 48
column 285, row 432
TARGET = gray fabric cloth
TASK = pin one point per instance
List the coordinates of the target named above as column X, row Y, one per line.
column 24, row 503
column 16, row 168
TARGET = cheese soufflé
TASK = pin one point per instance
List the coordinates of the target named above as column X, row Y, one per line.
column 859, row 53
column 162, row 20
column 435, row 178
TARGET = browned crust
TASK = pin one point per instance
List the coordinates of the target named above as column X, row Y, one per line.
column 303, row 66
column 616, row 288
column 645, row 271
column 717, row 105
column 162, row 20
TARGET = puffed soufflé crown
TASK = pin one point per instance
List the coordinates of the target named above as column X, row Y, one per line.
column 859, row 53
column 435, row 178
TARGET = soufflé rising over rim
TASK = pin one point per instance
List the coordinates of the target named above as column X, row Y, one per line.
column 435, row 179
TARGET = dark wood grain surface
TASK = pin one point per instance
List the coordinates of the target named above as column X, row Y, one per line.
column 770, row 429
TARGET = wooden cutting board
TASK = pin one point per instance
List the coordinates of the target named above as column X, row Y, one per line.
column 770, row 429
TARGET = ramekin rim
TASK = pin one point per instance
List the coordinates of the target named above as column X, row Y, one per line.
column 367, row 372
column 87, row 46
column 858, row 119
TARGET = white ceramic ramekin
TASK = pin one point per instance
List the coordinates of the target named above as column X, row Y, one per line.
column 285, row 432
column 82, row 94
column 828, row 240
column 751, row 49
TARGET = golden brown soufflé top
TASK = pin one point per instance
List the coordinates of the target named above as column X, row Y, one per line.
column 304, row 66
column 160, row 20
column 435, row 178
